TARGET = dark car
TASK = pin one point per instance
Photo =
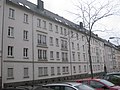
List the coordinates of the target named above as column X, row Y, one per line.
column 36, row 87
column 113, row 77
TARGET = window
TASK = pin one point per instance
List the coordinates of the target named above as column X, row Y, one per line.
column 44, row 24
column 61, row 29
column 10, row 51
column 25, row 52
column 58, row 70
column 57, row 55
column 50, row 26
column 25, row 18
column 41, row 39
column 77, row 36
column 65, row 70
column 83, row 48
column 85, row 68
column 11, row 13
column 72, row 34
column 84, row 57
column 57, row 42
column 78, row 56
column 51, row 41
column 38, row 22
column 42, row 54
column 74, row 69
column 82, row 38
column 26, row 72
column 10, row 31
column 96, row 84
column 56, row 28
column 63, row 56
column 78, row 48
column 69, row 88
column 64, row 44
column 10, row 73
column 79, row 69
column 66, row 57
column 73, row 54
column 52, row 71
column 65, row 32
column 51, row 54
column 42, row 71
column 25, row 35
column 45, row 71
column 73, row 45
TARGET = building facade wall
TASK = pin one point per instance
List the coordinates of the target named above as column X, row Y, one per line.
column 36, row 47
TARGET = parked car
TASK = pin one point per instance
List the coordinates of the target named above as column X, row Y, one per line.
column 68, row 86
column 35, row 87
column 113, row 77
column 99, row 84
column 12, row 89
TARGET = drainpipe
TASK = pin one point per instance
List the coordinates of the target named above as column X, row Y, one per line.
column 70, row 52
column 2, row 39
column 33, row 50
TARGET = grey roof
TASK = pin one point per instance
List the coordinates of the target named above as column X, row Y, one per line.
column 33, row 7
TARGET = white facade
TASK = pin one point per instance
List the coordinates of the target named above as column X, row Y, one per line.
column 36, row 47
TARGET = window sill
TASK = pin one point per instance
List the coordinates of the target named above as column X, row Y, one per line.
column 25, row 39
column 26, row 22
column 52, row 59
column 11, row 18
column 25, row 57
column 26, row 77
column 10, row 56
column 11, row 37
column 10, row 78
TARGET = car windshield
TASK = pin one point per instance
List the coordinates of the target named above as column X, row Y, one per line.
column 84, row 87
column 107, row 83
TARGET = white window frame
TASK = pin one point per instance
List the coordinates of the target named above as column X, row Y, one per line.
column 25, row 35
column 25, row 18
column 10, row 31
column 26, row 72
column 25, row 53
column 10, row 51
column 11, row 13
column 10, row 73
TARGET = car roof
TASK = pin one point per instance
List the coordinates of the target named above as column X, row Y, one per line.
column 64, row 84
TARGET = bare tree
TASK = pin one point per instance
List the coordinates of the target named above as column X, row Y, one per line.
column 90, row 12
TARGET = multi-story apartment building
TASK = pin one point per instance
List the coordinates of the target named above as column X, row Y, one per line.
column 38, row 46
column 111, row 57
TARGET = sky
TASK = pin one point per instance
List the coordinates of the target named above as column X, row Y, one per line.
column 110, row 25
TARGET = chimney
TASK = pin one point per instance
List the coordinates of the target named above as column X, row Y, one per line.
column 40, row 5
column 81, row 25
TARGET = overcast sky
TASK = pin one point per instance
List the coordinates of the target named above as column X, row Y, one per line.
column 62, row 8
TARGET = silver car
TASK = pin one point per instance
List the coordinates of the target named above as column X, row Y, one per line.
column 68, row 86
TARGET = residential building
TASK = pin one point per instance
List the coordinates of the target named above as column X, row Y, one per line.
column 38, row 46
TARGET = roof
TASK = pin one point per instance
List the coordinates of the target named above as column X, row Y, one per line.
column 33, row 7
